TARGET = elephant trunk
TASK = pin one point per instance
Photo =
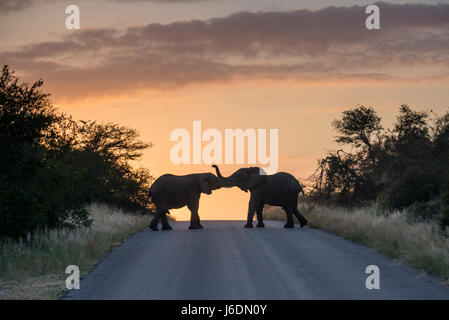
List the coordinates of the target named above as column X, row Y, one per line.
column 218, row 171
column 220, row 177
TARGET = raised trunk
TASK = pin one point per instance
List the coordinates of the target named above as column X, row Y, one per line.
column 220, row 177
column 218, row 172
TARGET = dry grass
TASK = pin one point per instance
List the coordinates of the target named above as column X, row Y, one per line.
column 36, row 269
column 422, row 245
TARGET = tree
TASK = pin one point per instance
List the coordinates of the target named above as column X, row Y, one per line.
column 408, row 166
column 400, row 168
column 347, row 177
column 35, row 188
column 359, row 127
column 104, row 153
column 52, row 166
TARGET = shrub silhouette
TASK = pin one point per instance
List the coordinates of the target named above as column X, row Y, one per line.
column 397, row 168
column 52, row 166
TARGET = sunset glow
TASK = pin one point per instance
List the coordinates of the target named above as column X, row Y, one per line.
column 293, row 66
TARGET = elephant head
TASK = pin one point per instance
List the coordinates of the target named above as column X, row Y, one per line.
column 208, row 182
column 244, row 178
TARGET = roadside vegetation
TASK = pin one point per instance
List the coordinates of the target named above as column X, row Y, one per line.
column 56, row 177
column 405, row 167
column 51, row 166
column 387, row 188
column 34, row 268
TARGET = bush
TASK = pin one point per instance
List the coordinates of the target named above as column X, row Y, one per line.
column 35, row 188
column 412, row 186
column 444, row 218
column 103, row 153
column 401, row 168
column 52, row 166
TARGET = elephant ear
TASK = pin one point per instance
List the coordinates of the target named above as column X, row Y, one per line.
column 205, row 185
column 255, row 179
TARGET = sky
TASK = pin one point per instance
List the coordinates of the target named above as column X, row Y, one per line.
column 158, row 65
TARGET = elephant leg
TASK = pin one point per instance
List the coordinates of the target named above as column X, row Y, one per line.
column 290, row 223
column 259, row 212
column 300, row 217
column 165, row 225
column 251, row 210
column 195, row 222
column 157, row 216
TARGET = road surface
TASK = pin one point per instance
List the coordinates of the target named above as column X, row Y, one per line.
column 226, row 261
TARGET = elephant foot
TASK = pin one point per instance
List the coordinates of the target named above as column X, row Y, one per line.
column 260, row 225
column 153, row 227
column 289, row 226
column 303, row 223
column 195, row 226
column 248, row 225
column 167, row 227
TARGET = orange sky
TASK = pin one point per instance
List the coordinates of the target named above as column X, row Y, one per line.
column 286, row 69
column 302, row 113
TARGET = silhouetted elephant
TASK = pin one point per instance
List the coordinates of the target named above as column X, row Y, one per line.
column 173, row 192
column 280, row 189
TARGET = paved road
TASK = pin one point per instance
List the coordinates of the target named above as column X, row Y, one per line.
column 226, row 261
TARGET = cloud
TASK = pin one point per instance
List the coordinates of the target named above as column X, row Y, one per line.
column 14, row 5
column 7, row 6
column 326, row 45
